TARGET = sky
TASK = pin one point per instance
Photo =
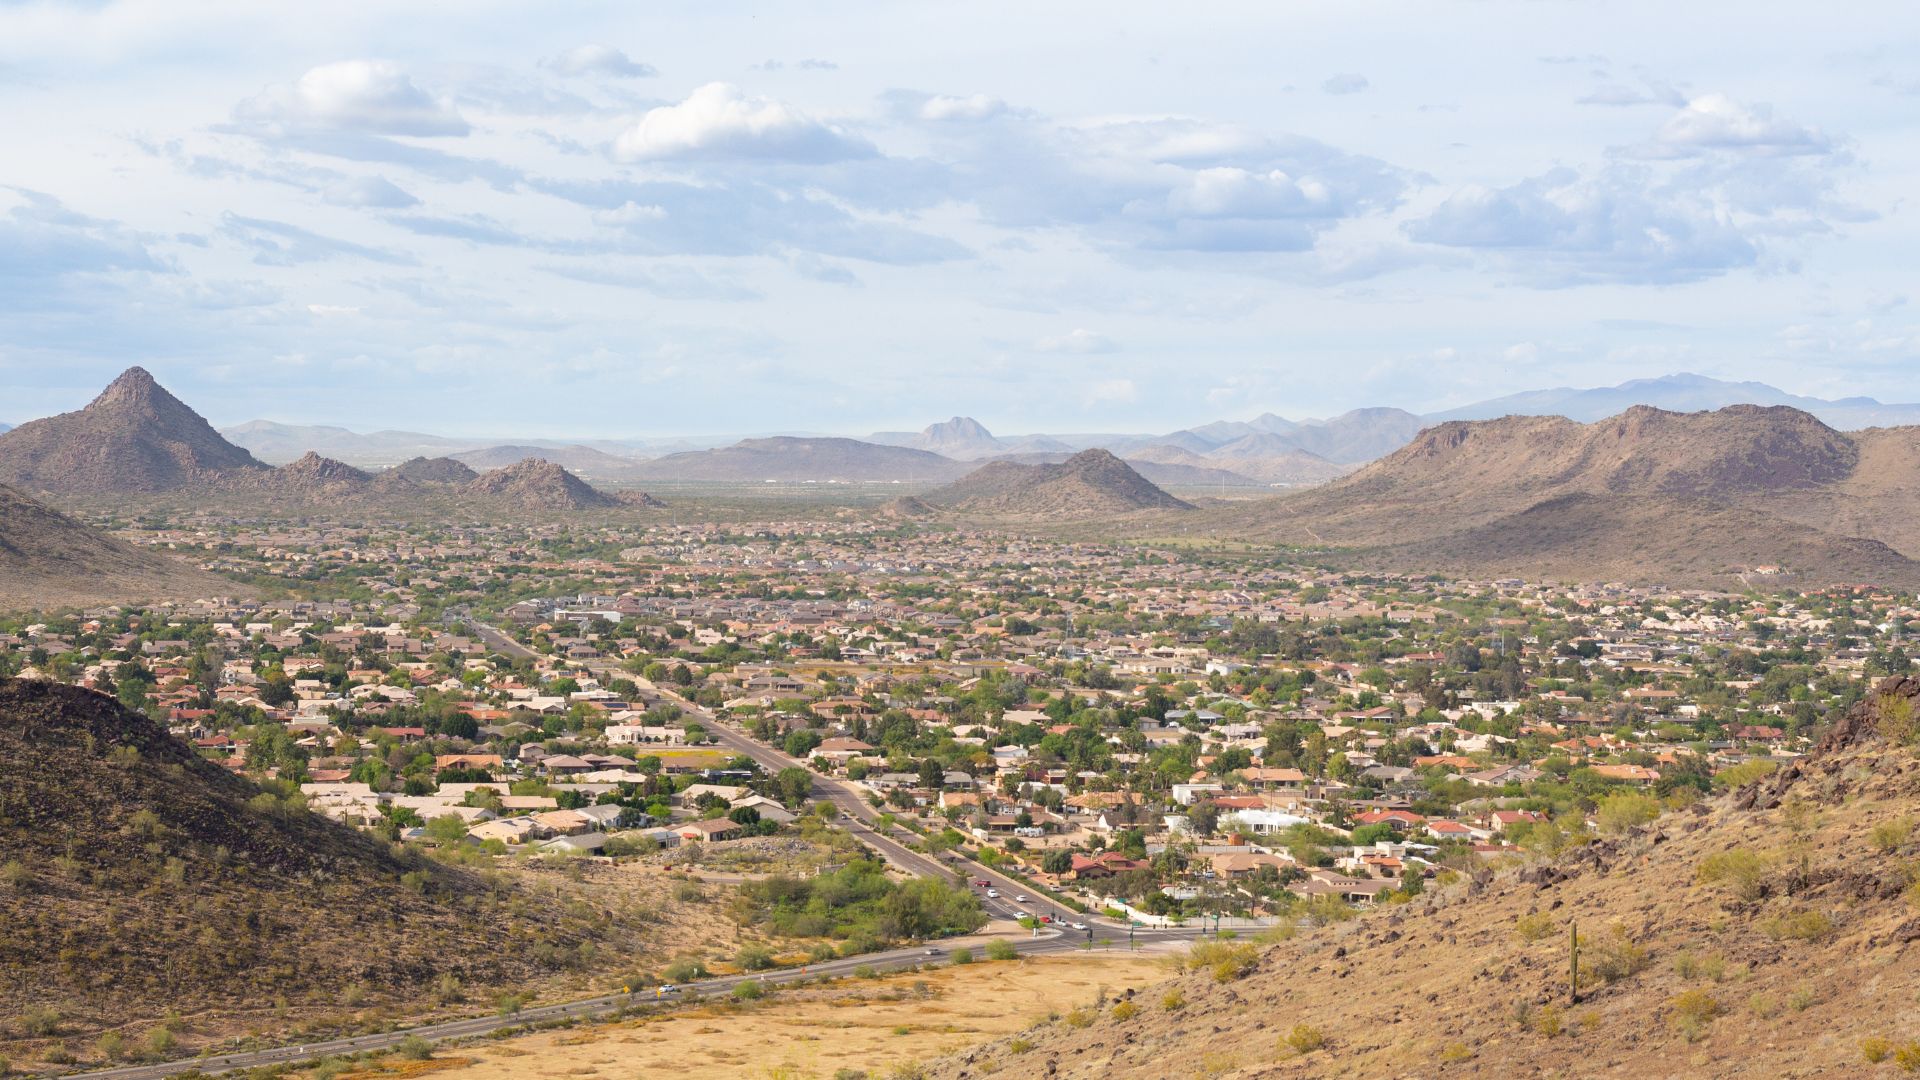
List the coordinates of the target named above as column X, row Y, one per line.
column 629, row 220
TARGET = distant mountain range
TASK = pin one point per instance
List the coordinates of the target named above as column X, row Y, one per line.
column 1697, row 498
column 1266, row 451
column 1683, row 393
column 137, row 438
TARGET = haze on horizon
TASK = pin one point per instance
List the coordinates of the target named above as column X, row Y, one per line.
column 693, row 220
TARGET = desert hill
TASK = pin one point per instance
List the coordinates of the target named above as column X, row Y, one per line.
column 1681, row 498
column 439, row 470
column 50, row 560
column 583, row 460
column 1771, row 931
column 796, row 459
column 134, row 437
column 141, row 878
column 1092, row 483
column 535, row 484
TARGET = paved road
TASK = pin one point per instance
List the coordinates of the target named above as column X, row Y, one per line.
column 600, row 1006
column 856, row 816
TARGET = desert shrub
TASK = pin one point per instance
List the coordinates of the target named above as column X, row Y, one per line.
column 1284, row 930
column 1890, row 836
column 112, row 1046
column 1740, row 871
column 1764, row 1006
column 15, row 876
column 1019, row 1046
column 414, row 1048
column 1747, row 772
column 1692, row 1011
column 1173, row 1001
column 1613, row 956
column 1897, row 719
column 1876, row 1049
column 1455, row 1052
column 1548, row 1021
column 1798, row 926
column 681, row 971
column 1227, row 960
column 754, row 958
column 1534, row 926
column 751, row 990
column 161, row 1042
column 1907, row 1056
column 1801, row 1000
column 689, row 892
column 1080, row 1018
column 1125, row 1010
column 39, row 1021
column 963, row 955
column 866, row 971
column 1689, row 965
column 907, row 1070
column 1001, row 949
column 1626, row 810
column 1305, row 1039
column 1328, row 908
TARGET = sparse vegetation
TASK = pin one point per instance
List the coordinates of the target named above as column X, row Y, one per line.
column 1534, row 926
column 1305, row 1039
column 1888, row 837
column 1804, row 925
column 1740, row 871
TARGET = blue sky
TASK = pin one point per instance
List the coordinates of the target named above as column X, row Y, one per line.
column 630, row 220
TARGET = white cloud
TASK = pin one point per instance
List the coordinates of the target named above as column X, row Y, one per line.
column 1225, row 191
column 630, row 214
column 1347, row 82
column 1111, row 392
column 369, row 191
column 369, row 96
column 1717, row 122
column 599, row 60
column 326, row 311
column 972, row 107
column 1077, row 341
column 719, row 122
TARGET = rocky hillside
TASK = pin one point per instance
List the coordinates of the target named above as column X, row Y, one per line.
column 137, row 879
column 50, row 560
column 313, row 476
column 1771, row 931
column 134, row 437
column 1547, row 495
column 1092, row 483
column 798, row 460
column 535, row 484
column 434, row 471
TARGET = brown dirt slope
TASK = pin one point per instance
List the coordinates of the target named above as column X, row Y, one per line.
column 134, row 437
column 1092, row 483
column 50, row 560
column 1788, row 962
column 137, row 877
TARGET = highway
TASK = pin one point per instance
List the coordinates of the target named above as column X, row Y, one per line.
column 574, row 1010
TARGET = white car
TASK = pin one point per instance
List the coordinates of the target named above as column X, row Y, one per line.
column 1079, row 925
column 993, row 894
column 1021, row 899
column 1022, row 915
column 667, row 988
